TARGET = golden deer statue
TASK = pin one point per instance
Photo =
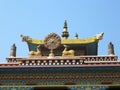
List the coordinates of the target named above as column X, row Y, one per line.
column 36, row 53
column 67, row 52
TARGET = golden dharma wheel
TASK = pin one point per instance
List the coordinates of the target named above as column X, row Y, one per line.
column 52, row 41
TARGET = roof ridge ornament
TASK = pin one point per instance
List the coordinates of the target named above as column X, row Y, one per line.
column 100, row 36
column 25, row 38
column 13, row 50
column 65, row 24
column 52, row 41
column 76, row 35
column 111, row 49
column 65, row 33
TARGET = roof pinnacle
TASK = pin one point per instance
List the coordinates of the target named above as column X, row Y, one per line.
column 65, row 24
column 76, row 35
column 13, row 51
column 65, row 33
column 110, row 49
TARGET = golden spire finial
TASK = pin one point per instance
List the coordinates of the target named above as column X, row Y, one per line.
column 65, row 24
column 76, row 35
column 65, row 33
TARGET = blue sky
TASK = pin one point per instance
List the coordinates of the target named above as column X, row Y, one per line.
column 38, row 18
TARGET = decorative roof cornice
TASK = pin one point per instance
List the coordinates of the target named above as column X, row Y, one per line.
column 66, row 41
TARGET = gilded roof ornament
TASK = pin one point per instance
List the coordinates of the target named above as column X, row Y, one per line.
column 65, row 33
column 65, row 24
column 52, row 41
column 76, row 35
column 100, row 36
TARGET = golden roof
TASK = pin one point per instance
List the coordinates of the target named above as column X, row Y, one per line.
column 66, row 41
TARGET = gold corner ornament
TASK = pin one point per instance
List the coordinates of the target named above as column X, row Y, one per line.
column 52, row 41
